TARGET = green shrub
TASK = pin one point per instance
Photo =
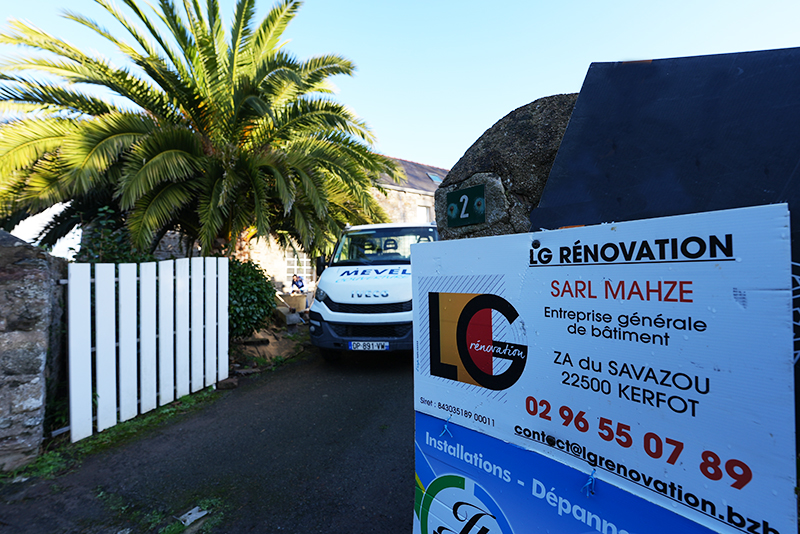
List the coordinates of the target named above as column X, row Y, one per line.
column 251, row 298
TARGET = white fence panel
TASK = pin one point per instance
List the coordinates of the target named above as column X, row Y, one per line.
column 211, row 321
column 222, row 319
column 80, row 344
column 159, row 332
column 128, row 372
column 148, row 372
column 166, row 332
column 182, row 369
column 196, row 321
column 105, row 320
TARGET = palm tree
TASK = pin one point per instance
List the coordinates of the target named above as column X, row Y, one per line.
column 210, row 134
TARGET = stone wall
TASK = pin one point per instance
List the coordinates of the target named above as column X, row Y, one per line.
column 31, row 334
column 512, row 159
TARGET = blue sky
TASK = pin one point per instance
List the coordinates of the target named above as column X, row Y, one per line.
column 433, row 75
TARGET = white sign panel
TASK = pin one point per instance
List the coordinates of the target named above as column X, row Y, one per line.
column 658, row 352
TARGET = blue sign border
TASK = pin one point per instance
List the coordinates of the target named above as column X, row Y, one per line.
column 525, row 491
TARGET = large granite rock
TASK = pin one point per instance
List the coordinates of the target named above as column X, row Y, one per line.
column 512, row 159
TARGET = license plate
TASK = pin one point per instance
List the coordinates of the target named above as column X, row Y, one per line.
column 369, row 345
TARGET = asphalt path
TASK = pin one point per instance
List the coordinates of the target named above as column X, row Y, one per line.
column 311, row 447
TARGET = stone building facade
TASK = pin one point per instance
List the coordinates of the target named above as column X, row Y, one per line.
column 31, row 310
column 413, row 200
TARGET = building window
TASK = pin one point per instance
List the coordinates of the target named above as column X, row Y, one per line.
column 435, row 177
column 424, row 214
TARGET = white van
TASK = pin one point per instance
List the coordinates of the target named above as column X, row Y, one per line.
column 363, row 297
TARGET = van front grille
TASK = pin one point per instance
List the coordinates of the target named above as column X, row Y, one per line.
column 394, row 307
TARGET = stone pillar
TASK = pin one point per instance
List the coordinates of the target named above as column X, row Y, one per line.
column 31, row 330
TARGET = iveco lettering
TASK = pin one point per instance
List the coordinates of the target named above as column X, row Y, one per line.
column 363, row 297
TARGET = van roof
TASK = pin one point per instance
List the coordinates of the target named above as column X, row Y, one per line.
column 389, row 225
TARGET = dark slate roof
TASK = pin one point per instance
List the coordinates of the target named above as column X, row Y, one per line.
column 417, row 176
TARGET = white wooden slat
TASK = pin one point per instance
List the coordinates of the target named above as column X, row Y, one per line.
column 222, row 318
column 105, row 325
column 197, row 353
column 147, row 337
column 211, row 320
column 166, row 332
column 128, row 378
column 80, row 351
column 182, row 286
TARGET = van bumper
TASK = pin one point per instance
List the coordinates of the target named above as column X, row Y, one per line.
column 337, row 335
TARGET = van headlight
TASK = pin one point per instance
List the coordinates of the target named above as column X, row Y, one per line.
column 320, row 294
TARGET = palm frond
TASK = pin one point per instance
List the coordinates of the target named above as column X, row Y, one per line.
column 318, row 69
column 49, row 97
column 313, row 187
column 99, row 143
column 212, row 216
column 166, row 76
column 305, row 117
column 240, row 33
column 24, row 142
column 155, row 33
column 170, row 16
column 265, row 39
column 171, row 155
column 43, row 186
column 121, row 45
column 156, row 209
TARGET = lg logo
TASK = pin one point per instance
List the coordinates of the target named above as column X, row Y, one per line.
column 476, row 339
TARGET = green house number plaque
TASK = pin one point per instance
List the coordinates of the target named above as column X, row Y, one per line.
column 466, row 206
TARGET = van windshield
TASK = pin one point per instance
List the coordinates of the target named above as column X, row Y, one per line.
column 381, row 245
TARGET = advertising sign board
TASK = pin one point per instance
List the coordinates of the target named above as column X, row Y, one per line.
column 657, row 353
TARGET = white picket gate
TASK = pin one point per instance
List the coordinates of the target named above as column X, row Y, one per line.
column 148, row 334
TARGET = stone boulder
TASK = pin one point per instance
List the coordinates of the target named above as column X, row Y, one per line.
column 512, row 159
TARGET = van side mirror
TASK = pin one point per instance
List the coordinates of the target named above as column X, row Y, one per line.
column 320, row 264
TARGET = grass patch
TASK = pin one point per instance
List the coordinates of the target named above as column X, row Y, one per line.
column 153, row 521
column 48, row 465
column 174, row 528
column 217, row 509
